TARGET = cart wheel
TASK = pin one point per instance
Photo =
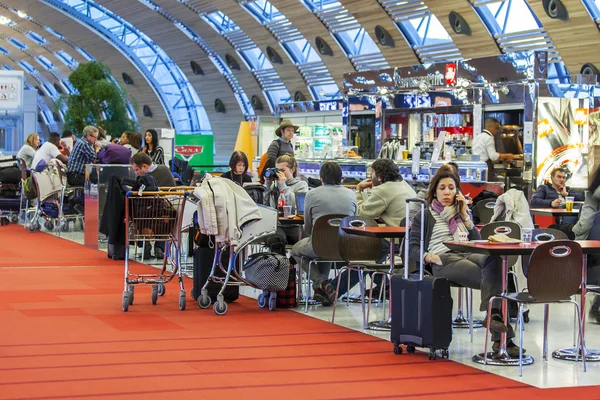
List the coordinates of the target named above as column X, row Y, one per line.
column 445, row 354
column 397, row 350
column 162, row 289
column 3, row 221
column 65, row 226
column 49, row 225
column 272, row 304
column 131, row 294
column 193, row 293
column 154, row 294
column 31, row 228
column 410, row 349
column 432, row 355
column 220, row 308
column 182, row 300
column 526, row 317
column 14, row 219
column 204, row 301
column 262, row 300
column 125, row 301
column 38, row 226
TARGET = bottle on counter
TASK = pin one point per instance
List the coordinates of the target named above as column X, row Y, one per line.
column 281, row 201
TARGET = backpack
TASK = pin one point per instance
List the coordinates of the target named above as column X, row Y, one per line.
column 257, row 192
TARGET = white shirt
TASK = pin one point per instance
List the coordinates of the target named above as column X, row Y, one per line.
column 485, row 147
column 47, row 152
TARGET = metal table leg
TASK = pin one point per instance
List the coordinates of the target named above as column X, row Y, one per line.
column 386, row 324
column 574, row 353
column 501, row 358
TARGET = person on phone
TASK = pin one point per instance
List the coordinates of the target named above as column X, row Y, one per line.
column 553, row 194
column 446, row 217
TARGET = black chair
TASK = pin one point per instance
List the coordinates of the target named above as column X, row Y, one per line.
column 554, row 275
column 483, row 211
column 359, row 253
column 325, row 244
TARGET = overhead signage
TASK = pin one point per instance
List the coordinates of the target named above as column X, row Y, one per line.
column 450, row 74
column 415, row 82
column 328, row 105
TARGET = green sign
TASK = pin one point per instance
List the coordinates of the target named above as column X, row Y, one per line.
column 197, row 150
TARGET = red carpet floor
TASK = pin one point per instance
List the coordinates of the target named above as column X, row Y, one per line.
column 64, row 336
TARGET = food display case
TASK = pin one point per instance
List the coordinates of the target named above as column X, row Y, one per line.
column 352, row 169
column 468, row 171
column 423, row 175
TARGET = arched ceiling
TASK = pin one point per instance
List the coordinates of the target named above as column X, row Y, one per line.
column 214, row 32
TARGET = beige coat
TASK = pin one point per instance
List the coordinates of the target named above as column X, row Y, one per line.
column 387, row 201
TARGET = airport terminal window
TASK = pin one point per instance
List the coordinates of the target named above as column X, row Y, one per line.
column 508, row 17
column 181, row 102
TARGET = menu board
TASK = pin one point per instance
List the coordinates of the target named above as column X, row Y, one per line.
column 11, row 90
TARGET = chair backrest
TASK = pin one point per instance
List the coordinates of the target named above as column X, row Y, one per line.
column 555, row 270
column 483, row 211
column 542, row 235
column 509, row 228
column 358, row 248
column 23, row 168
column 325, row 241
column 548, row 234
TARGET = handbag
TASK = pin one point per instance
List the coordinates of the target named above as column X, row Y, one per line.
column 267, row 271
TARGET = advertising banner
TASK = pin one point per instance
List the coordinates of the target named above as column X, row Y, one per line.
column 197, row 150
column 562, row 139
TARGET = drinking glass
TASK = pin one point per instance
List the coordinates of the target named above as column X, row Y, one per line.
column 287, row 211
column 569, row 203
column 526, row 234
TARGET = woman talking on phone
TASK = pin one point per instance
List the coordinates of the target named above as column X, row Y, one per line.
column 446, row 217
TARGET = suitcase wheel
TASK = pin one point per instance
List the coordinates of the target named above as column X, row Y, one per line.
column 432, row 355
column 410, row 349
column 397, row 350
column 445, row 354
column 526, row 317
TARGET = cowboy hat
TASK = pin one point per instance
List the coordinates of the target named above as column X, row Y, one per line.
column 284, row 124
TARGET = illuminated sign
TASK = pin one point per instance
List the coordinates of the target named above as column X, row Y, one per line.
column 328, row 106
column 414, row 82
column 450, row 74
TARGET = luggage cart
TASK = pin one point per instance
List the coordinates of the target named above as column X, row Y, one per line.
column 49, row 186
column 154, row 216
column 252, row 233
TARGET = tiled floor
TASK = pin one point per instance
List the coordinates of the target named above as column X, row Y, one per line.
column 553, row 373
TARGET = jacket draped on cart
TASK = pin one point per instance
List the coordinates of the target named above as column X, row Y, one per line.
column 224, row 208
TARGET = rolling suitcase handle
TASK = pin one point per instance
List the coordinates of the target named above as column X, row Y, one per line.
column 407, row 237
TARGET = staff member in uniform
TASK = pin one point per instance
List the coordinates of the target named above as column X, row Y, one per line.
column 485, row 147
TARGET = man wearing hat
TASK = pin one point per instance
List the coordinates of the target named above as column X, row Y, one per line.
column 283, row 144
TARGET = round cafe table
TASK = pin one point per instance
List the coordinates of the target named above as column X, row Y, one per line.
column 504, row 250
column 380, row 232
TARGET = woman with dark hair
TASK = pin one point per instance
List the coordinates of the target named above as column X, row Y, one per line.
column 152, row 147
column 388, row 196
column 446, row 217
column 238, row 172
column 131, row 140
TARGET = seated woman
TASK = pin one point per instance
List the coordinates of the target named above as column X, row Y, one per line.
column 387, row 201
column 287, row 182
column 446, row 216
column 131, row 140
column 27, row 152
column 238, row 172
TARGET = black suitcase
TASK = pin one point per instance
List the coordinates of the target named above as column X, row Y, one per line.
column 10, row 204
column 203, row 260
column 421, row 306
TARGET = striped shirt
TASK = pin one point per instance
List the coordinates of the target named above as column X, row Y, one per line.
column 439, row 235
